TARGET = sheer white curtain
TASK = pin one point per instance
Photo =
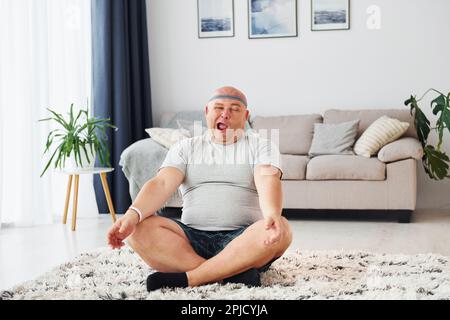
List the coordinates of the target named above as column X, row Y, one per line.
column 45, row 56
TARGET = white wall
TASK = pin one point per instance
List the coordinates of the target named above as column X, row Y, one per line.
column 355, row 69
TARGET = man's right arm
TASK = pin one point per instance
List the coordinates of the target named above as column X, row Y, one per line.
column 150, row 199
column 155, row 192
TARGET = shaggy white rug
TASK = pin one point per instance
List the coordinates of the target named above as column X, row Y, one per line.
column 121, row 274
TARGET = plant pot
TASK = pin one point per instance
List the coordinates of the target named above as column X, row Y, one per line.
column 71, row 163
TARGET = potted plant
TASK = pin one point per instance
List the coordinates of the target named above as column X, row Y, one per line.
column 74, row 137
column 434, row 160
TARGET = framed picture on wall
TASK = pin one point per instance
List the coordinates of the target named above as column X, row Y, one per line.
column 215, row 18
column 330, row 15
column 272, row 18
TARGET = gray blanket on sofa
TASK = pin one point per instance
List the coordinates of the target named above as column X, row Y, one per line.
column 140, row 162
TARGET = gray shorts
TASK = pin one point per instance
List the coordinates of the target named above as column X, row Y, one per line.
column 207, row 244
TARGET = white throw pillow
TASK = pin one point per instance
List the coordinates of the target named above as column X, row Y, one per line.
column 167, row 136
column 381, row 132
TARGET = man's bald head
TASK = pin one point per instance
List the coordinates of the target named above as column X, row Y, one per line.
column 226, row 113
column 229, row 93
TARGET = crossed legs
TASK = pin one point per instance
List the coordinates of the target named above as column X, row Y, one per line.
column 163, row 245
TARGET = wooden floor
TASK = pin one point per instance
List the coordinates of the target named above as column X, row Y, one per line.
column 25, row 253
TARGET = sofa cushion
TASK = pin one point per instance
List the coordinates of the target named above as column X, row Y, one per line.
column 333, row 138
column 295, row 132
column 293, row 166
column 170, row 119
column 367, row 117
column 383, row 131
column 400, row 149
column 345, row 167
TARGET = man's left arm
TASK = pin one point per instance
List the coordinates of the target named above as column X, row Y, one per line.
column 268, row 185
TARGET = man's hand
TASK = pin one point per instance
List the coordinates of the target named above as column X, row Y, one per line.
column 123, row 227
column 274, row 227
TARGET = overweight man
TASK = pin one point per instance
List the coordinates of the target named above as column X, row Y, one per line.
column 231, row 227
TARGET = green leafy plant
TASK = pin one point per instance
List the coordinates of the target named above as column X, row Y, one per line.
column 75, row 135
column 434, row 160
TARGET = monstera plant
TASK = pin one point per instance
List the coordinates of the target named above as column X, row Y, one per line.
column 434, row 160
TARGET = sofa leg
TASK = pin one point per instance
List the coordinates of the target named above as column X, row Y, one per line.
column 404, row 216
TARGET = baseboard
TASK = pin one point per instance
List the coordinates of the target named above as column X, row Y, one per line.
column 401, row 216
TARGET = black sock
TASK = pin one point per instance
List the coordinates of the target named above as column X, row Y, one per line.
column 250, row 278
column 160, row 280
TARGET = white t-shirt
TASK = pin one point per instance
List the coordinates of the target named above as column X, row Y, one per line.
column 218, row 189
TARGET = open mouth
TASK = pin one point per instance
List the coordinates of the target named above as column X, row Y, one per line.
column 221, row 126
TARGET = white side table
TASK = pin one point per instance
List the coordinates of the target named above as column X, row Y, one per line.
column 76, row 173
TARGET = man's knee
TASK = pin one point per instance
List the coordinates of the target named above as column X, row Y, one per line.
column 286, row 235
column 287, row 231
column 285, row 238
column 142, row 233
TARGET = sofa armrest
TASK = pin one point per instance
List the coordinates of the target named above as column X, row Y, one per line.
column 401, row 188
column 403, row 148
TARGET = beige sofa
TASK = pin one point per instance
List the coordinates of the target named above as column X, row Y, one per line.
column 343, row 183
column 346, row 182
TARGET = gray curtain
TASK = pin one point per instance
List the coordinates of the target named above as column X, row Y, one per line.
column 121, row 84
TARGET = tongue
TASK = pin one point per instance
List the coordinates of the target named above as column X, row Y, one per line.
column 222, row 126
